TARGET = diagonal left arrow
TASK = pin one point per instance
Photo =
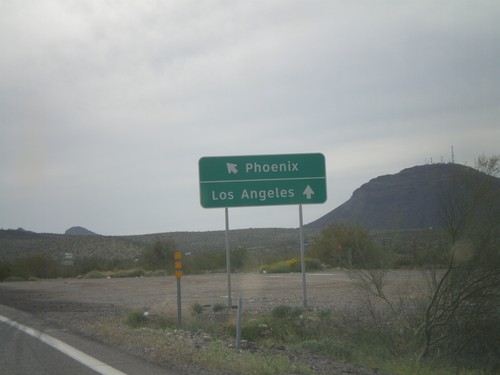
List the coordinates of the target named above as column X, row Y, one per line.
column 231, row 168
column 308, row 192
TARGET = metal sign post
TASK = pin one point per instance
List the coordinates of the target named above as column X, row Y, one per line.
column 238, row 323
column 302, row 257
column 228, row 262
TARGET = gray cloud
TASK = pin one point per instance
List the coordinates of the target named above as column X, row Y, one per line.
column 106, row 107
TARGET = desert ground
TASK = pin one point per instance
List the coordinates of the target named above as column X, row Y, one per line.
column 259, row 292
column 77, row 304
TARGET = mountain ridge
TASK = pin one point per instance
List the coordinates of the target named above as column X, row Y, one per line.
column 409, row 199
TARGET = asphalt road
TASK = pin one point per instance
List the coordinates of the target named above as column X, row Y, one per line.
column 23, row 354
column 28, row 347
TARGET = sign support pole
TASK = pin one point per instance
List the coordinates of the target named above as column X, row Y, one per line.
column 302, row 257
column 238, row 323
column 228, row 261
column 179, row 306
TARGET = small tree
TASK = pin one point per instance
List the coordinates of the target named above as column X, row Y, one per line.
column 458, row 317
column 39, row 266
column 5, row 270
column 344, row 246
column 158, row 255
column 239, row 257
column 461, row 318
column 489, row 165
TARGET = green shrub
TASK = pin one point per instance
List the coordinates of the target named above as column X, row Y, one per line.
column 253, row 330
column 196, row 308
column 94, row 275
column 291, row 265
column 218, row 307
column 136, row 272
column 136, row 319
column 329, row 347
column 325, row 315
column 282, row 312
column 39, row 266
column 15, row 278
column 5, row 271
column 156, row 273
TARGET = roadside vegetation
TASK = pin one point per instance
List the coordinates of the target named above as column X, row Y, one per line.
column 288, row 340
column 156, row 259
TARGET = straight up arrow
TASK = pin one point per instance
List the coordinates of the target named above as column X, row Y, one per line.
column 308, row 192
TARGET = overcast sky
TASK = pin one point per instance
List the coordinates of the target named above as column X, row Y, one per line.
column 107, row 106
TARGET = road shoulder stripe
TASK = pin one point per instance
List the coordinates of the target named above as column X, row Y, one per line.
column 77, row 355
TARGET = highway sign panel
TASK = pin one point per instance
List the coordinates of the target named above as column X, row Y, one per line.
column 262, row 180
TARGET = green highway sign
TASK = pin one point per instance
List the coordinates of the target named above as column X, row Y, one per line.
column 262, row 180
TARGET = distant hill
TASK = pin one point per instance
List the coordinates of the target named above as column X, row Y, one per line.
column 79, row 231
column 409, row 199
column 15, row 244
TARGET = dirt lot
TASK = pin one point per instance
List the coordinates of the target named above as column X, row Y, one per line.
column 76, row 303
column 333, row 290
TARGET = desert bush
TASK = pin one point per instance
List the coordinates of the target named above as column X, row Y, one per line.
column 5, row 271
column 283, row 312
column 37, row 266
column 254, row 330
column 291, row 265
column 461, row 321
column 218, row 307
column 341, row 245
column 136, row 319
column 156, row 273
column 329, row 347
column 158, row 255
column 94, row 275
column 216, row 261
column 83, row 265
column 196, row 308
column 135, row 272
column 14, row 278
column 205, row 262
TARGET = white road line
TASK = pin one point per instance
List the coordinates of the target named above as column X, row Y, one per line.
column 64, row 348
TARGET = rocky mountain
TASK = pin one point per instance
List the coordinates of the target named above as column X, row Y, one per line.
column 79, row 231
column 409, row 199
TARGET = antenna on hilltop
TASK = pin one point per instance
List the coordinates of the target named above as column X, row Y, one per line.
column 452, row 155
